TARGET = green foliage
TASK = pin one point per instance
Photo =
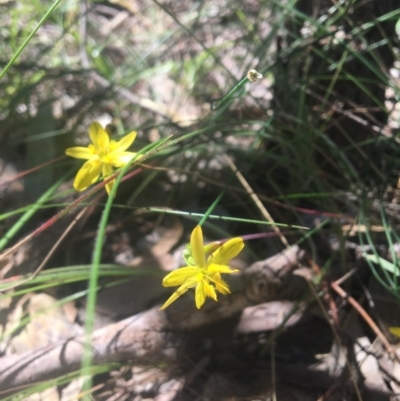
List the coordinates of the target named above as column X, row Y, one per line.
column 311, row 153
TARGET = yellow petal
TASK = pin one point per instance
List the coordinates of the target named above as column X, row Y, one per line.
column 99, row 137
column 395, row 331
column 87, row 175
column 180, row 291
column 119, row 159
column 220, row 285
column 203, row 290
column 109, row 186
column 212, row 247
column 200, row 295
column 227, row 251
column 79, row 152
column 107, row 170
column 214, row 268
column 197, row 246
column 179, row 276
column 209, row 290
column 124, row 142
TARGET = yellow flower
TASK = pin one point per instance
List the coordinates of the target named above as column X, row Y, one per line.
column 205, row 275
column 102, row 155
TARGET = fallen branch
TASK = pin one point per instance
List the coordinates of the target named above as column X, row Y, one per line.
column 152, row 336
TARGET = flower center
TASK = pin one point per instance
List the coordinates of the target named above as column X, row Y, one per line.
column 206, row 276
column 102, row 155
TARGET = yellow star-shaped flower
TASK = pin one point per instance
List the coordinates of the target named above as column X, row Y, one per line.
column 102, row 155
column 205, row 275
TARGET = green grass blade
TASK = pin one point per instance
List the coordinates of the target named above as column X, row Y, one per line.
column 29, row 37
column 218, row 217
column 385, row 264
column 94, row 275
column 30, row 212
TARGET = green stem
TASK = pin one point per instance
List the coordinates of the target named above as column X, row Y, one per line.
column 226, row 99
column 213, row 216
column 30, row 36
column 96, row 260
column 32, row 209
column 211, row 208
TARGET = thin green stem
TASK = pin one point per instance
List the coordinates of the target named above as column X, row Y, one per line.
column 96, row 260
column 226, row 98
column 30, row 212
column 211, row 208
column 227, row 218
column 29, row 37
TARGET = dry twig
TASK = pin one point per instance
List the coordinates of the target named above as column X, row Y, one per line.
column 153, row 335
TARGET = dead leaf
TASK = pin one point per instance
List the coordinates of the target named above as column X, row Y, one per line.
column 47, row 324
